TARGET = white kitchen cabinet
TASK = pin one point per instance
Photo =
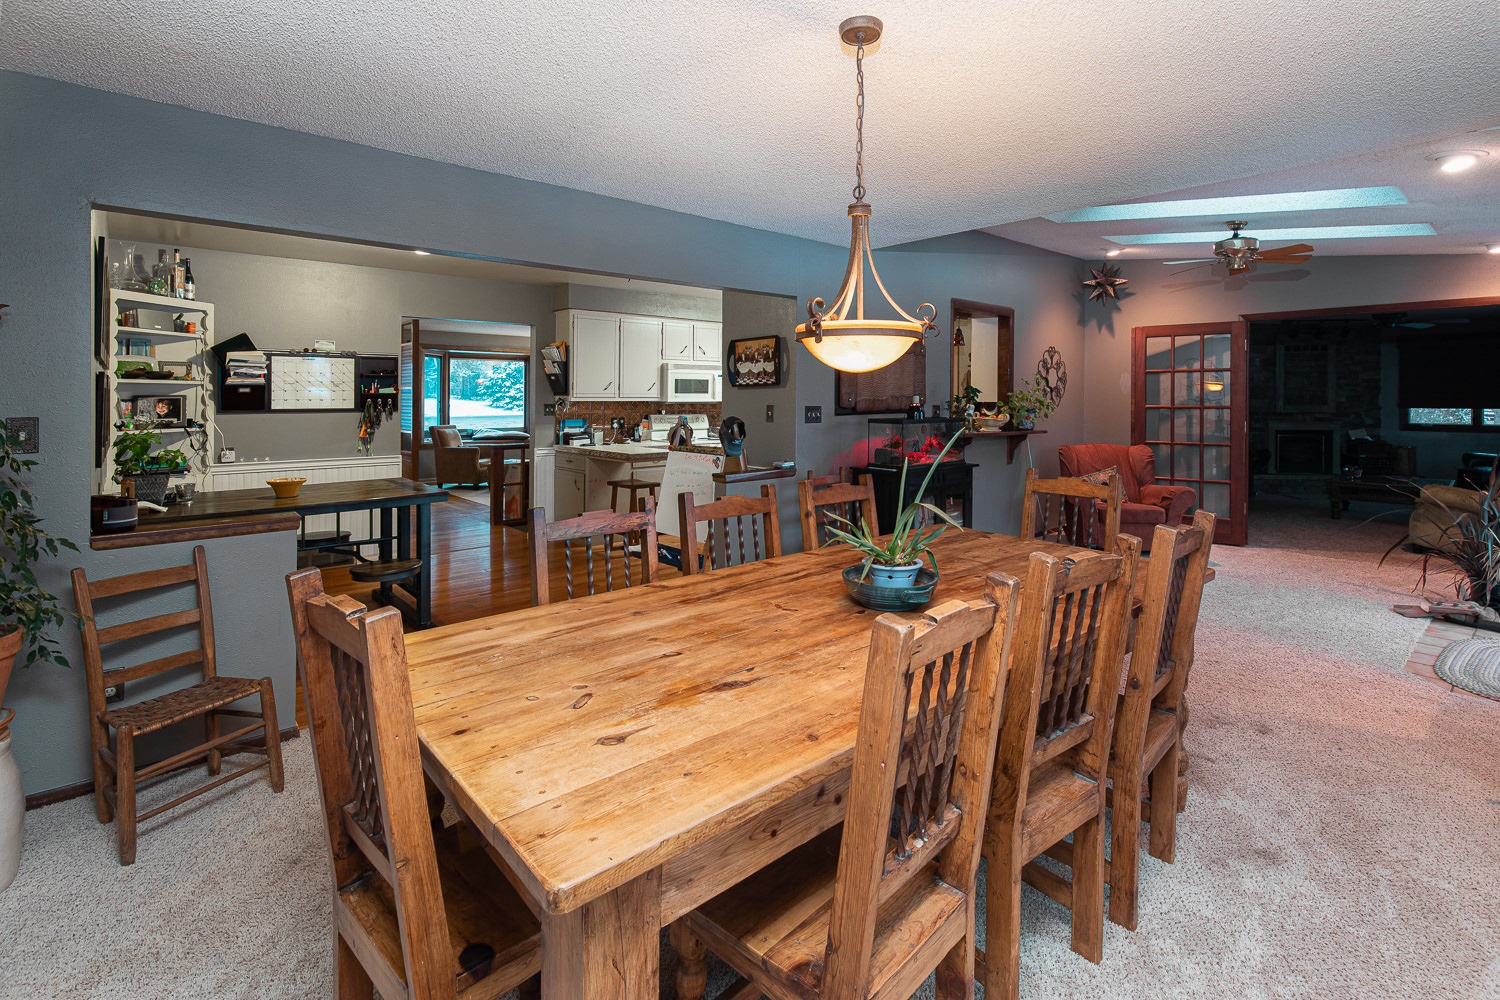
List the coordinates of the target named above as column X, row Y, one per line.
column 593, row 354
column 687, row 341
column 640, row 369
column 568, row 486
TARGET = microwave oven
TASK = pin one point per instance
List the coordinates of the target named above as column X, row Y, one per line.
column 689, row 384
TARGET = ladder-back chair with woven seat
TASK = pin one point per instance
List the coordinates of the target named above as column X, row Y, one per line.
column 1148, row 730
column 1051, row 767
column 850, row 501
column 599, row 566
column 740, row 530
column 1072, row 511
column 871, row 908
column 415, row 914
column 116, row 774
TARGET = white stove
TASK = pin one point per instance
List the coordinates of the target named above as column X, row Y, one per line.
column 704, row 435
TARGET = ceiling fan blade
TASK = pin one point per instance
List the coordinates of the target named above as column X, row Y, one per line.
column 1195, row 260
column 1295, row 250
column 1193, row 268
column 1284, row 260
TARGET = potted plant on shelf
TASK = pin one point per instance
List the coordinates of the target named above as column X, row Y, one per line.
column 895, row 561
column 145, row 470
column 1029, row 402
column 964, row 404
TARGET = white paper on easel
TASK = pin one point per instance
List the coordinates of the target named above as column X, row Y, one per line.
column 686, row 472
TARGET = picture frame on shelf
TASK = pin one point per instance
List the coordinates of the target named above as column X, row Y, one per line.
column 161, row 411
column 138, row 347
column 755, row 362
column 179, row 369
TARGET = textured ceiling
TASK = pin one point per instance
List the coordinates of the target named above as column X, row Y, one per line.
column 978, row 114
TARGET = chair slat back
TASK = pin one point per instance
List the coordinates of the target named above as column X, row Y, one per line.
column 595, row 553
column 1169, row 616
column 87, row 592
column 920, row 782
column 852, row 502
column 740, row 530
column 1071, row 511
column 359, row 709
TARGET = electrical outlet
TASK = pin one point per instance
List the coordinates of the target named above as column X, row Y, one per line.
column 114, row 692
column 812, row 415
column 549, row 409
column 770, row 413
column 24, row 431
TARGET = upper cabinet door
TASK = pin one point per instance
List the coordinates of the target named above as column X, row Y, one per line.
column 676, row 340
column 594, row 357
column 707, row 343
column 640, row 366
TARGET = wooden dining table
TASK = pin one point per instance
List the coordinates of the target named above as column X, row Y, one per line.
column 633, row 754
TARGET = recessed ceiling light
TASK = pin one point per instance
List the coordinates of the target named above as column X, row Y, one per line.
column 1239, row 206
column 1457, row 160
column 422, row 253
column 1112, row 253
column 1492, row 247
column 1305, row 233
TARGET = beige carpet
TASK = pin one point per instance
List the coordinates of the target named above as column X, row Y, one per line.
column 1340, row 840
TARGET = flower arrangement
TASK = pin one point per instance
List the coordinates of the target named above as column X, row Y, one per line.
column 1029, row 402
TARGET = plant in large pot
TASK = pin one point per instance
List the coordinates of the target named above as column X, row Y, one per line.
column 1029, row 402
column 1469, row 540
column 895, row 561
column 145, row 470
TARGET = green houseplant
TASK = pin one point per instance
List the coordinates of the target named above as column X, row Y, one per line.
column 895, row 561
column 1029, row 402
column 27, row 610
column 147, row 470
column 1470, row 545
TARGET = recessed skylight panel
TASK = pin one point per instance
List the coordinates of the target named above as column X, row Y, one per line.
column 1305, row 233
column 1240, row 206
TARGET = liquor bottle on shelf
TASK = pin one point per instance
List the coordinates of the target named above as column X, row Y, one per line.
column 159, row 283
column 188, row 288
column 177, row 275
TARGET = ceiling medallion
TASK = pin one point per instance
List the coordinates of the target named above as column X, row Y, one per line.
column 1105, row 282
column 841, row 336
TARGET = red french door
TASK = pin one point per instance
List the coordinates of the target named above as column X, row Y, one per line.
column 1189, row 402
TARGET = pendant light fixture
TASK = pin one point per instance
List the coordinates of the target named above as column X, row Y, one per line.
column 841, row 336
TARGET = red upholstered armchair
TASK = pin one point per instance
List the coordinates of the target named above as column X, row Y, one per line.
column 1146, row 503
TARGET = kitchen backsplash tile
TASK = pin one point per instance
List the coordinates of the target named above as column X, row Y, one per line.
column 599, row 412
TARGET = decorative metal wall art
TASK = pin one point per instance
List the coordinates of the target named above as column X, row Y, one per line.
column 1105, row 283
column 1054, row 372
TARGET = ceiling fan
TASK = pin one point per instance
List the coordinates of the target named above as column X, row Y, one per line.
column 1241, row 253
column 1394, row 319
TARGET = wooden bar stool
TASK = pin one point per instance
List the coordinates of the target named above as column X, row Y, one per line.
column 634, row 487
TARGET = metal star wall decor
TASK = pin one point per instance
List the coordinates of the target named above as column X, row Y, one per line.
column 1105, row 282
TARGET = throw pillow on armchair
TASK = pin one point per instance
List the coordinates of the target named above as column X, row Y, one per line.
column 1147, row 503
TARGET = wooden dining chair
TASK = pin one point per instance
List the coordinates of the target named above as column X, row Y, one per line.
column 414, row 914
column 850, row 501
column 1050, row 770
column 603, row 561
column 1072, row 511
column 1148, row 730
column 871, row 908
column 116, row 776
column 726, row 518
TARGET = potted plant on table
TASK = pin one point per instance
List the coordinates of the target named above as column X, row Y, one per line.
column 1029, row 402
column 145, row 470
column 27, row 612
column 894, row 561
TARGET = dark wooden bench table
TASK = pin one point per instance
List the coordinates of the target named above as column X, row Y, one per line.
column 1397, row 491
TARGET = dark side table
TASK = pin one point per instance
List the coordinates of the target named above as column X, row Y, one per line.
column 1397, row 491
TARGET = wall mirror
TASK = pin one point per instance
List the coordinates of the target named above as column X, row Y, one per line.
column 983, row 350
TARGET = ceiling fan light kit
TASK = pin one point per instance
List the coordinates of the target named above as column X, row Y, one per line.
column 841, row 336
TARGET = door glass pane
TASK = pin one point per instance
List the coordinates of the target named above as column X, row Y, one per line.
column 1185, row 390
column 1215, row 497
column 1158, row 387
column 1216, row 388
column 1158, row 353
column 1158, row 426
column 1216, row 350
column 1188, row 352
column 1161, row 451
column 1185, row 462
column 1215, row 463
column 1185, row 425
column 1216, row 423
column 487, row 393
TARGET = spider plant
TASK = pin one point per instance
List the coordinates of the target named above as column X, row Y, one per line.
column 910, row 537
column 1471, row 548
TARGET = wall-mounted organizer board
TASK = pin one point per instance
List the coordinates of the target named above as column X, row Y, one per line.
column 306, row 382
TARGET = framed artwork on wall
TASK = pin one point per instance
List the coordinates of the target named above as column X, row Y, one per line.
column 755, row 362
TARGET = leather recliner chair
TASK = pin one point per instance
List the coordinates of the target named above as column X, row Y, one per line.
column 455, row 462
column 1147, row 503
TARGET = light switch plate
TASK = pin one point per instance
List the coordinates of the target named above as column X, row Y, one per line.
column 812, row 415
column 770, row 413
column 549, row 409
column 25, row 432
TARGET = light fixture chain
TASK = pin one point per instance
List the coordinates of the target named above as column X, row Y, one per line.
column 859, row 127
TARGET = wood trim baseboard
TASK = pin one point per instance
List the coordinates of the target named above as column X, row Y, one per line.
column 63, row 793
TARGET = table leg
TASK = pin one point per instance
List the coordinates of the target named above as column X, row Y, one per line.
column 607, row 949
column 424, row 553
column 385, row 534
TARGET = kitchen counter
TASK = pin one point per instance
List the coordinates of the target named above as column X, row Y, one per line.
column 634, row 452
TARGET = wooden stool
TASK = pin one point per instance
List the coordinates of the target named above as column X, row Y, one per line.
column 323, row 549
column 385, row 572
column 634, row 486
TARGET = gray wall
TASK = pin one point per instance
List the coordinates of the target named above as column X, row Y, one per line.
column 1157, row 297
column 68, row 148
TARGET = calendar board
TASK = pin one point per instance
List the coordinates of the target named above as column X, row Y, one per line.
column 306, row 382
